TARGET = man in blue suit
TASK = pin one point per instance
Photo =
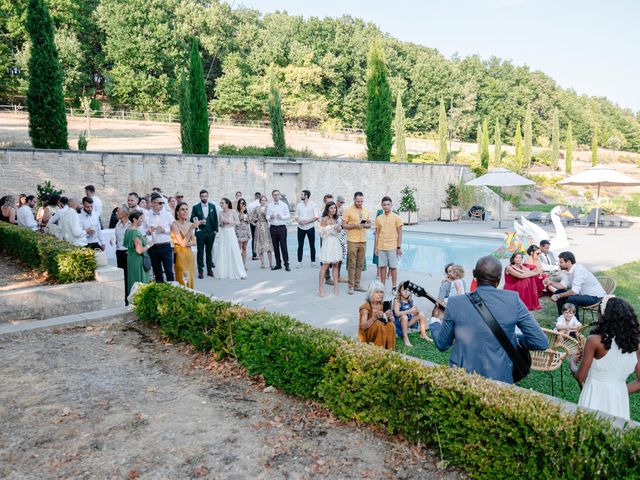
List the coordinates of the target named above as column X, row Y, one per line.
column 475, row 348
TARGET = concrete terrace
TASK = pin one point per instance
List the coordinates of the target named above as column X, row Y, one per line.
column 295, row 293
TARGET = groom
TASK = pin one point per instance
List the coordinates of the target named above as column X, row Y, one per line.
column 206, row 214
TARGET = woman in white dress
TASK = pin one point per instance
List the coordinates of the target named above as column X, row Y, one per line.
column 610, row 355
column 331, row 251
column 226, row 257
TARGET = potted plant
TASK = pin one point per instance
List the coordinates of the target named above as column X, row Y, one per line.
column 408, row 205
column 451, row 200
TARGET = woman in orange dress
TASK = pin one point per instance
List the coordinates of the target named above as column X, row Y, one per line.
column 376, row 325
column 183, row 238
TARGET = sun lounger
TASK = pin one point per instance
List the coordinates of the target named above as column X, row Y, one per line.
column 534, row 216
column 590, row 218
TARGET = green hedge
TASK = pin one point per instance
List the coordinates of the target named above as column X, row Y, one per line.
column 65, row 263
column 491, row 431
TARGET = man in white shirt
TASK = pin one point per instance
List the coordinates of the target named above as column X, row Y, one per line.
column 306, row 216
column 25, row 216
column 278, row 215
column 63, row 203
column 158, row 225
column 584, row 290
column 90, row 191
column 250, row 209
column 70, row 226
column 90, row 223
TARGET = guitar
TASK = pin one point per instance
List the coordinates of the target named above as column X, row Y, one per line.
column 421, row 292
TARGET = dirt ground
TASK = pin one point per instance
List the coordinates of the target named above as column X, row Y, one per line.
column 14, row 275
column 115, row 402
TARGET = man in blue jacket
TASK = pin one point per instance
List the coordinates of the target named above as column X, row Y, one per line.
column 475, row 348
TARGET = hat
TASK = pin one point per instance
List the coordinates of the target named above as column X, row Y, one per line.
column 340, row 198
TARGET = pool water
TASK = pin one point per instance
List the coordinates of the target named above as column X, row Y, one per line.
column 427, row 253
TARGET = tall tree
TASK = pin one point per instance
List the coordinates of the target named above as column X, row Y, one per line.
column 479, row 139
column 275, row 117
column 568, row 158
column 401, row 145
column 185, row 116
column 519, row 161
column 528, row 137
column 443, row 130
column 379, row 106
column 484, row 155
column 594, row 147
column 198, row 111
column 45, row 101
column 555, row 140
column 497, row 149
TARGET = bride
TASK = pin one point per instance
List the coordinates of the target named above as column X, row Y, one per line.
column 227, row 258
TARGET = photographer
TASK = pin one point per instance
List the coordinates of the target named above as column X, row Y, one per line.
column 376, row 325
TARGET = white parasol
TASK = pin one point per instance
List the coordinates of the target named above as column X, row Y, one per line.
column 600, row 176
column 500, row 177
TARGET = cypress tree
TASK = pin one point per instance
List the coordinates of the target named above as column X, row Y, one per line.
column 443, row 154
column 45, row 101
column 528, row 137
column 497, row 149
column 185, row 118
column 484, row 155
column 555, row 140
column 479, row 139
column 276, row 118
column 568, row 159
column 401, row 145
column 379, row 106
column 198, row 112
column 594, row 147
column 519, row 150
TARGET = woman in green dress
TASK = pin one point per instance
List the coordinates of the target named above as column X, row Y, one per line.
column 136, row 245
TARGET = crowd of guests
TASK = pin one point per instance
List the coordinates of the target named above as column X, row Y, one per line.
column 155, row 236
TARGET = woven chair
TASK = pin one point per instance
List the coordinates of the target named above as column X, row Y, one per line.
column 560, row 347
column 609, row 286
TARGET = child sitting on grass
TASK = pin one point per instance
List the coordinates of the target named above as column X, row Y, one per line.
column 407, row 315
column 567, row 322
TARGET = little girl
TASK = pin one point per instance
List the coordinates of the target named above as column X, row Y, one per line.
column 407, row 315
column 567, row 322
column 456, row 277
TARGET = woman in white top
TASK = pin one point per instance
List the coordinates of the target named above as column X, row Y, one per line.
column 610, row 355
column 331, row 251
column 226, row 256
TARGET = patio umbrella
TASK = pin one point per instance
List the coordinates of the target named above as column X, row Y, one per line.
column 500, row 177
column 600, row 176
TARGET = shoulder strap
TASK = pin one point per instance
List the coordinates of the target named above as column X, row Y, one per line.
column 497, row 331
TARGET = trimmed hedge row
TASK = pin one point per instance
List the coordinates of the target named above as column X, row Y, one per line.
column 491, row 431
column 64, row 262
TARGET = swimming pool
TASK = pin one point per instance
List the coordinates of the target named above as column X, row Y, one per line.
column 424, row 252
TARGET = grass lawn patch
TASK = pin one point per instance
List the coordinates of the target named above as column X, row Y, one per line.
column 627, row 287
column 543, row 207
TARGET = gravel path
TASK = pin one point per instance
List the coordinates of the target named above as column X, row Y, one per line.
column 114, row 402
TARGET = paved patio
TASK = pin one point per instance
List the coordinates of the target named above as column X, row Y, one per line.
column 295, row 293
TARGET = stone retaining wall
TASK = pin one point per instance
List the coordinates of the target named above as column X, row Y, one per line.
column 115, row 174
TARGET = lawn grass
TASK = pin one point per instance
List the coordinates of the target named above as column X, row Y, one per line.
column 627, row 287
column 543, row 207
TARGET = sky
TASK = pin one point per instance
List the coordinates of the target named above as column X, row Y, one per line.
column 591, row 46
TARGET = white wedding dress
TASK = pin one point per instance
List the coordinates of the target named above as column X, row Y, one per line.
column 606, row 386
column 226, row 255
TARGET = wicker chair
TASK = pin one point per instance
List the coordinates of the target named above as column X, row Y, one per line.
column 560, row 347
column 609, row 286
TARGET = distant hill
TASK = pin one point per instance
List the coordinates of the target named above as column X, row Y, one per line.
column 133, row 51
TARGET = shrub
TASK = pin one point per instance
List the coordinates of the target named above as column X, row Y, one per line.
column 65, row 263
column 543, row 157
column 252, row 151
column 492, row 431
column 83, row 141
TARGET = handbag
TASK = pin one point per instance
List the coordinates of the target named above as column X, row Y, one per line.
column 146, row 262
column 520, row 356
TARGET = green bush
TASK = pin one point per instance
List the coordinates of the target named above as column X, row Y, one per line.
column 252, row 151
column 492, row 431
column 65, row 263
column 543, row 157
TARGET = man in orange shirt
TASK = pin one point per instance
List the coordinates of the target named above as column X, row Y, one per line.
column 388, row 242
column 356, row 222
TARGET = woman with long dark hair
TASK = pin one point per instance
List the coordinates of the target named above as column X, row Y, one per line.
column 330, row 251
column 610, row 355
column 520, row 279
column 183, row 238
column 226, row 253
column 243, row 232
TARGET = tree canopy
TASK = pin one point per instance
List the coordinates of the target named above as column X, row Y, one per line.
column 132, row 51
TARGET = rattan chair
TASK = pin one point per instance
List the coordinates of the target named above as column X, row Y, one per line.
column 560, row 347
column 609, row 286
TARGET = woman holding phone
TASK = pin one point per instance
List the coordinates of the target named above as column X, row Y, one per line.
column 376, row 324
